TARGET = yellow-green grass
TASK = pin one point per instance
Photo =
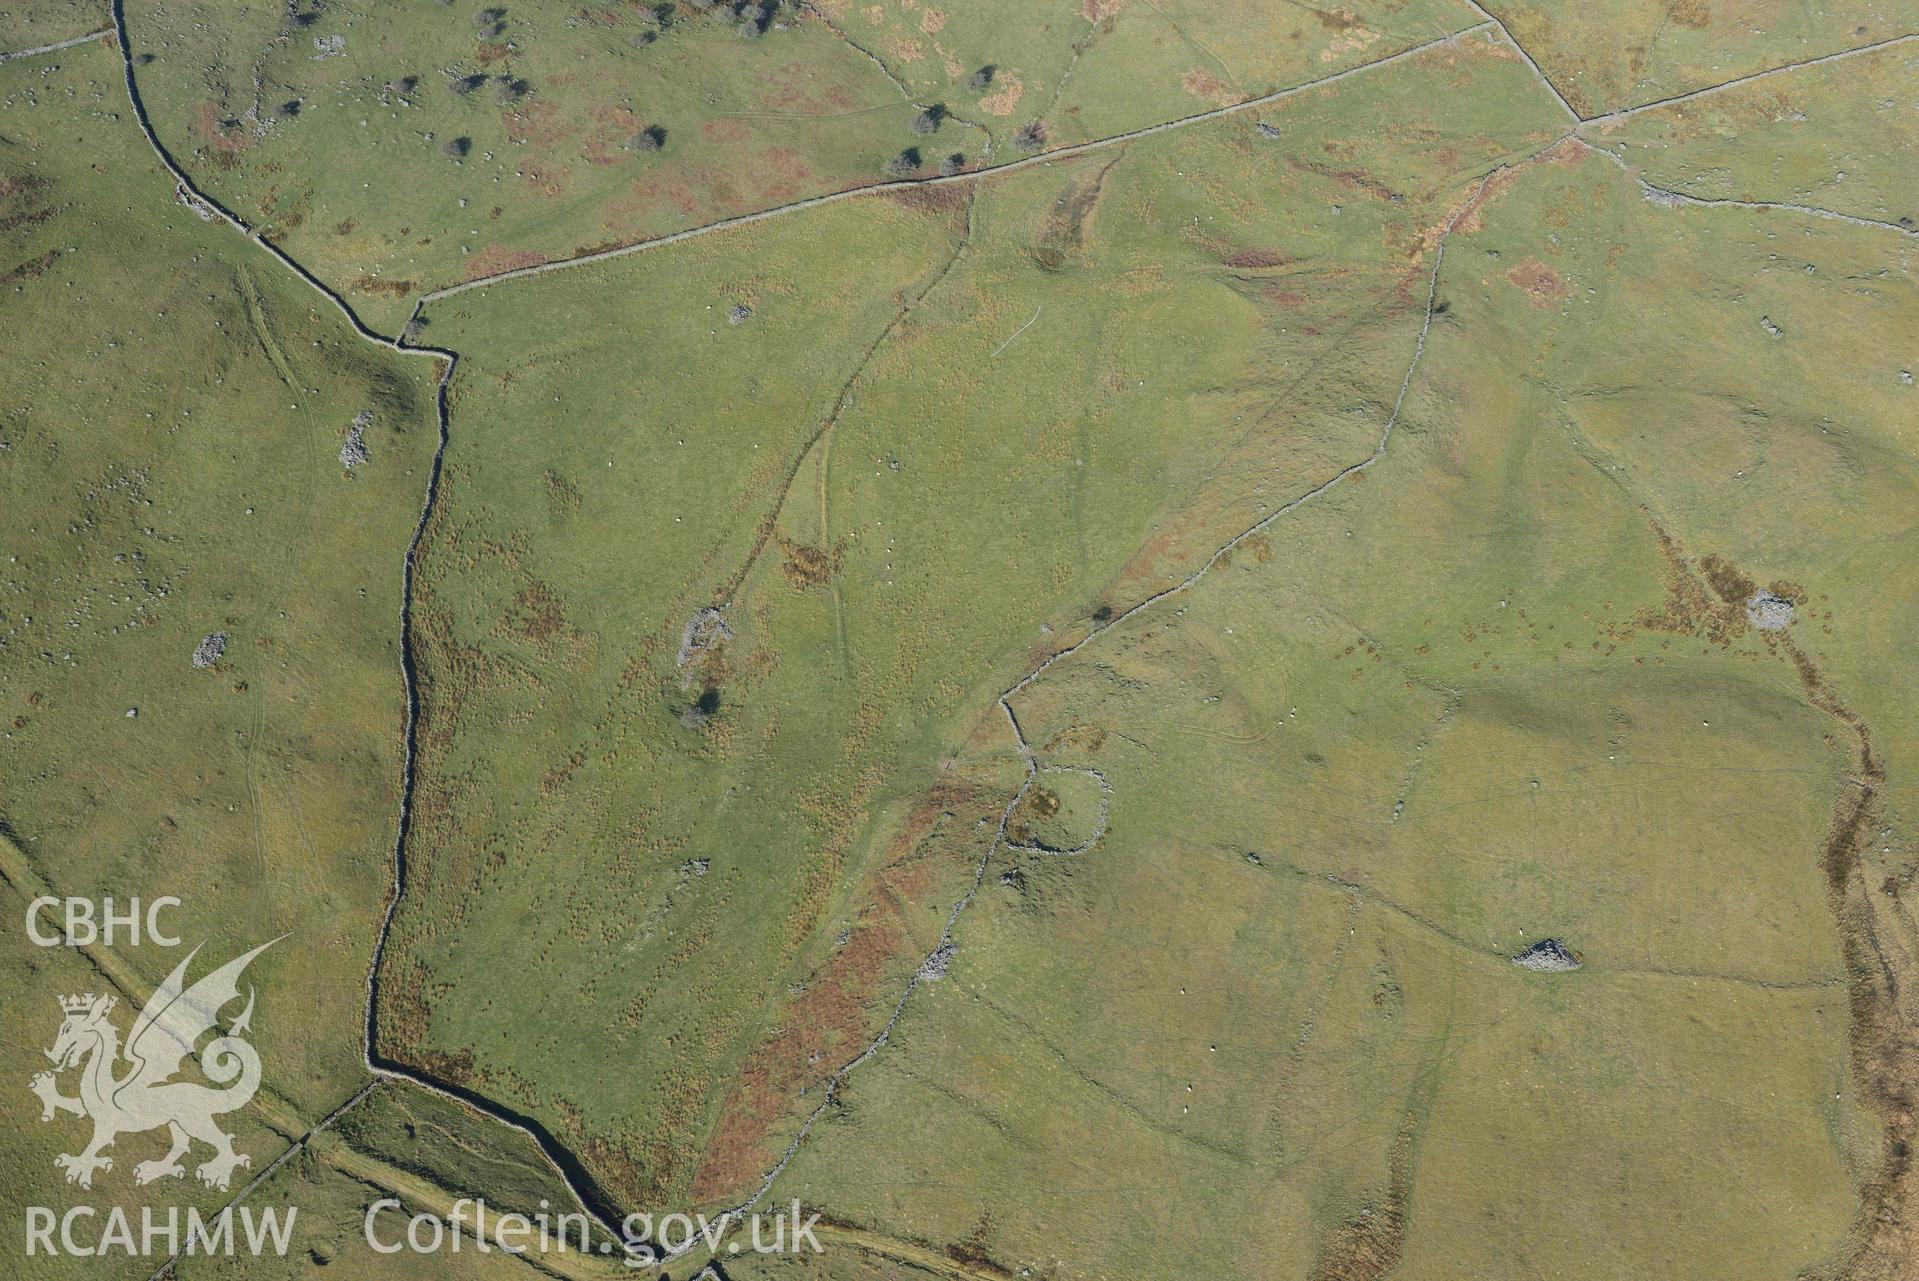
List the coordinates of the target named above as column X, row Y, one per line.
column 177, row 404
column 1837, row 137
column 1092, row 68
column 1099, row 369
column 1621, row 53
column 30, row 24
column 354, row 182
column 1466, row 702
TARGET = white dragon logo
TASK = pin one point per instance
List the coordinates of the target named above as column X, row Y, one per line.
column 146, row 1097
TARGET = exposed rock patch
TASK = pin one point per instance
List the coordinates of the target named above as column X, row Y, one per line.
column 1768, row 612
column 1548, row 956
column 209, row 650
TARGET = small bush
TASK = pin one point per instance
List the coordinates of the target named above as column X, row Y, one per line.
column 904, row 165
column 651, row 138
column 509, row 91
column 467, row 84
column 457, row 148
column 981, row 78
column 488, row 17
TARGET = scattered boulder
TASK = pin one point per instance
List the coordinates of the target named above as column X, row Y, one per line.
column 705, row 632
column 935, row 966
column 1548, row 956
column 353, row 450
column 1769, row 613
column 209, row 650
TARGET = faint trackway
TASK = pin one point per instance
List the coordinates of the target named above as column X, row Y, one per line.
column 573, row 1173
column 906, row 92
column 1666, row 195
column 293, row 1149
column 822, row 433
column 1737, row 81
column 1016, row 333
column 577, row 1179
column 907, row 184
column 945, row 947
column 1734, row 83
column 55, row 48
column 1520, row 49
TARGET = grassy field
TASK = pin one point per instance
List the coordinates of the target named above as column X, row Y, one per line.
column 398, row 149
column 1835, row 137
column 381, row 164
column 170, row 459
column 29, row 24
column 662, row 841
column 1382, row 488
column 1621, row 53
column 1492, row 692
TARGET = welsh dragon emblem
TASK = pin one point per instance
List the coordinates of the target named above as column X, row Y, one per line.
column 144, row 1096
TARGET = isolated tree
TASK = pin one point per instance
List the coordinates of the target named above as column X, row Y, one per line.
column 651, row 138
column 953, row 164
column 509, row 91
column 928, row 120
column 1031, row 136
column 457, row 148
column 467, row 84
column 904, row 165
column 981, row 78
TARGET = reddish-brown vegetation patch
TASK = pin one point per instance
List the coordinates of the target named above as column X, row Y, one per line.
column 212, row 126
column 827, row 1023
column 1539, row 282
column 1204, row 84
column 496, row 258
column 30, row 268
column 391, row 286
column 1253, row 259
column 943, row 198
column 725, row 131
column 806, row 566
column 538, row 123
column 1695, row 14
